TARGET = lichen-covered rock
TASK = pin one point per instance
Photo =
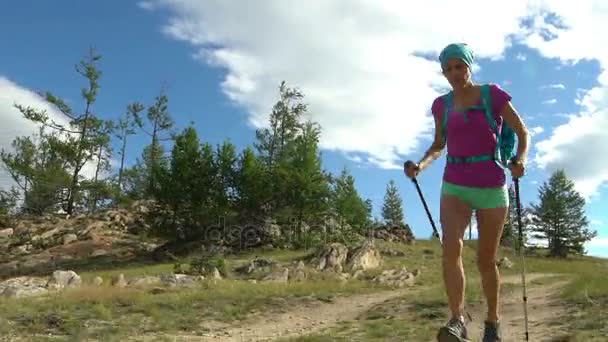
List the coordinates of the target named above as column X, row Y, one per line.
column 331, row 257
column 365, row 257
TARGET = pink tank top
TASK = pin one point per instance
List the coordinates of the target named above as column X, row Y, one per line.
column 473, row 136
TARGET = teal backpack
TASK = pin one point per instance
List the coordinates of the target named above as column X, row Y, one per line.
column 505, row 138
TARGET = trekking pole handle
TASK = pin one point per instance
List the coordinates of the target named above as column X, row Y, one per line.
column 406, row 165
column 409, row 164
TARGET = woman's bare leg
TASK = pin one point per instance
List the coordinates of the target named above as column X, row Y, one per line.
column 490, row 223
column 455, row 217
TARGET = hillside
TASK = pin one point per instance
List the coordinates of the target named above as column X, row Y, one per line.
column 99, row 278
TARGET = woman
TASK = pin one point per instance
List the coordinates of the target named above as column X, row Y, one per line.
column 472, row 185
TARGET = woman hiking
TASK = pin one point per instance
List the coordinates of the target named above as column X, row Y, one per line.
column 471, row 181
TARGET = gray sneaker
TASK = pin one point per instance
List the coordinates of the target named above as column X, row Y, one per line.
column 454, row 331
column 491, row 332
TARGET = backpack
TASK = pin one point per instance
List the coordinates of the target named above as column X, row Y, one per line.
column 505, row 145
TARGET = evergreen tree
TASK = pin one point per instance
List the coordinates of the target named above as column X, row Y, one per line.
column 560, row 217
column 347, row 202
column 307, row 190
column 38, row 166
column 392, row 210
column 8, row 202
column 226, row 165
column 251, row 185
column 77, row 143
column 126, row 127
column 273, row 142
column 98, row 190
column 153, row 161
column 276, row 144
column 186, row 186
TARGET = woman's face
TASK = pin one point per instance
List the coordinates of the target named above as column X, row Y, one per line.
column 457, row 73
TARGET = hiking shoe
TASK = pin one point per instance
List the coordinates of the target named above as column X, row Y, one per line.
column 491, row 332
column 454, row 331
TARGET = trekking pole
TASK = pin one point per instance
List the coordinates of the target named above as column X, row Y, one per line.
column 521, row 251
column 426, row 208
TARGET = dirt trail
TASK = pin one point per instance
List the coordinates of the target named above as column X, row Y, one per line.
column 299, row 320
column 543, row 309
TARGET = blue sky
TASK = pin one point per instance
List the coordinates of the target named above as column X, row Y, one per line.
column 359, row 65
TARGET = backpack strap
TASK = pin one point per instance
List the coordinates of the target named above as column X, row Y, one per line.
column 486, row 100
column 447, row 105
column 486, row 97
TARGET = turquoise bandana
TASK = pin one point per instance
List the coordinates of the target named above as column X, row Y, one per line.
column 457, row 50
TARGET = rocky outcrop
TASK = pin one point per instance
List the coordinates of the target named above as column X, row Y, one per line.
column 397, row 277
column 256, row 265
column 338, row 258
column 364, row 258
column 41, row 244
column 401, row 233
column 61, row 280
column 331, row 257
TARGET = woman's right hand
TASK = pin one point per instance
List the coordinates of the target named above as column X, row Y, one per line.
column 411, row 169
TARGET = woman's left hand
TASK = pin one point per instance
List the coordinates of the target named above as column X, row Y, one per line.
column 517, row 169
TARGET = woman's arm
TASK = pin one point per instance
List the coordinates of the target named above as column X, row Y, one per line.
column 436, row 147
column 512, row 118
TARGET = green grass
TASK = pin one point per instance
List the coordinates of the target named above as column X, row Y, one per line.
column 416, row 318
column 110, row 313
column 172, row 311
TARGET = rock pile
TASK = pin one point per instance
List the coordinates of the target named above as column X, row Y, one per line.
column 43, row 243
column 394, row 233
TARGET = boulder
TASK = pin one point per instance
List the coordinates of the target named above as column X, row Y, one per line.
column 365, row 257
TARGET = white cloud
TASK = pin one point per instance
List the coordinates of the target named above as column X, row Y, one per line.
column 576, row 146
column 536, row 130
column 554, row 86
column 597, row 247
column 359, row 65
column 550, row 101
column 521, row 57
column 357, row 62
column 12, row 123
column 599, row 242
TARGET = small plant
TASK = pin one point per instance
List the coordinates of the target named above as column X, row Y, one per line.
column 202, row 265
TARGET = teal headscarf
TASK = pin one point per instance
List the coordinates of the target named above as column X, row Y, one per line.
column 457, row 50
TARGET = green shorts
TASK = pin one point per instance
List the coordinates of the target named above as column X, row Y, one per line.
column 478, row 198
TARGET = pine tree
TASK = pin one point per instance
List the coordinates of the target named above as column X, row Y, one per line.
column 126, row 127
column 8, row 203
column 226, row 165
column 347, row 202
column 273, row 142
column 39, row 167
column 307, row 190
column 251, row 184
column 99, row 189
column 153, row 156
column 186, row 186
column 392, row 211
column 77, row 143
column 276, row 144
column 560, row 217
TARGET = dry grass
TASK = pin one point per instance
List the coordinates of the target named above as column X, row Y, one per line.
column 110, row 313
